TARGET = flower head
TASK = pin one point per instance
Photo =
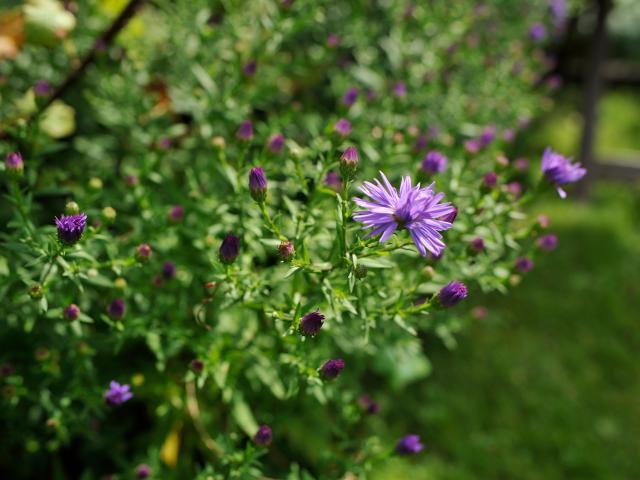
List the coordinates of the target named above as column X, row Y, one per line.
column 333, row 40
column 537, row 32
column 168, row 270
column 117, row 394
column 143, row 252
column 143, row 471
column 490, row 180
column 472, row 145
column 263, row 436
column 350, row 96
column 229, row 249
column 417, row 209
column 409, row 445
column 434, row 162
column 116, row 309
column 452, row 293
column 276, row 143
column 311, row 323
column 400, row 89
column 258, row 184
column 477, row 244
column 42, row 88
column 368, row 404
column 331, row 368
column 176, row 214
column 245, row 131
column 249, row 68
column 349, row 162
column 14, row 164
column 548, row 242
column 286, row 250
column 71, row 227
column 71, row 312
column 342, row 127
column 523, row 264
column 559, row 170
column 487, row 135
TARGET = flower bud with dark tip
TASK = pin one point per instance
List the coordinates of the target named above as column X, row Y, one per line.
column 143, row 252
column 331, row 368
column 36, row 292
column 452, row 294
column 71, row 312
column 229, row 249
column 311, row 323
column 258, row 184
column 263, row 436
column 116, row 309
column 361, row 271
column 286, row 250
column 14, row 164
column 349, row 162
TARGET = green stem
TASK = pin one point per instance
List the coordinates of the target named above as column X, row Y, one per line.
column 272, row 226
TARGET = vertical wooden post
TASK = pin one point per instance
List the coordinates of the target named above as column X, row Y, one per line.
column 593, row 87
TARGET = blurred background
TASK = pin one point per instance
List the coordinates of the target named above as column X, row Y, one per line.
column 547, row 385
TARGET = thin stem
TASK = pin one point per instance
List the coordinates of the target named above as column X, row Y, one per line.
column 267, row 218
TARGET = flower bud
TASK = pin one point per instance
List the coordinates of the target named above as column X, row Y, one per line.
column 350, row 97
column 258, row 184
column 409, row 445
column 143, row 252
column 95, row 183
column 263, row 436
column 197, row 365
column 331, row 368
column 218, row 142
column 168, row 270
column 116, row 309
column 450, row 217
column 361, row 272
column 286, row 250
column 71, row 228
column 109, row 214
column 311, row 323
column 434, row 162
column 229, row 249
column 245, row 131
column 368, row 405
column 342, row 127
column 36, row 291
column 548, row 242
column 72, row 208
column 523, row 264
column 14, row 164
column 71, row 312
column 452, row 294
column 176, row 213
column 490, row 180
column 349, row 162
column 477, row 245
column 276, row 143
column 143, row 471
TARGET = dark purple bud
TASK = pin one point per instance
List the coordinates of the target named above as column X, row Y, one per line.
column 143, row 471
column 487, row 136
column 71, row 228
column 117, row 394
column 368, row 405
column 42, row 88
column 258, row 184
column 409, row 445
column 477, row 245
column 116, row 309
column 548, row 242
column 249, row 69
column 333, row 180
column 331, row 368
column 143, row 252
column 168, row 270
column 311, row 323
column 452, row 294
column 434, row 162
column 245, row 131
column 523, row 264
column 229, row 249
column 71, row 312
column 176, row 214
column 197, row 365
column 14, row 164
column 490, row 180
column 263, row 436
column 350, row 97
column 286, row 250
column 342, row 127
column 276, row 143
column 421, row 143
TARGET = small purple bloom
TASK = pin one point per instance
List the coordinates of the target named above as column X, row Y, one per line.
column 350, row 97
column 286, row 250
column 258, row 184
column 249, row 69
column 42, row 88
column 521, row 164
column 168, row 270
column 229, row 249
column 487, row 136
column 434, row 162
column 421, row 143
column 523, row 264
column 71, row 312
column 116, row 309
column 548, row 242
column 515, row 189
column 400, row 90
column 276, row 143
column 331, row 368
column 333, row 180
column 349, row 162
column 342, row 127
column 311, row 323
column 417, row 209
column 245, row 131
column 368, row 404
column 472, row 145
column 509, row 135
column 559, row 170
column 263, row 436
column 143, row 252
column 558, row 11
column 143, row 471
column 14, row 163
column 117, row 394
column 333, row 40
column 477, row 245
column 452, row 293
column 409, row 445
column 490, row 180
column 537, row 32
column 176, row 214
column 71, row 228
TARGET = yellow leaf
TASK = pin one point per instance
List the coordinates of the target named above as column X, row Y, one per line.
column 171, row 447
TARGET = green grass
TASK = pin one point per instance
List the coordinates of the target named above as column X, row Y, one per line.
column 548, row 386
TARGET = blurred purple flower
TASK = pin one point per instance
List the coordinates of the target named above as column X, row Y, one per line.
column 311, row 323
column 452, row 293
column 42, row 88
column 331, row 368
column 116, row 309
column 249, row 68
column 263, row 436
column 434, row 162
column 409, row 445
column 71, row 312
column 548, row 242
column 350, row 96
column 400, row 90
column 490, row 180
column 143, row 471
column 276, row 143
column 559, row 170
column 117, row 394
column 368, row 404
column 342, row 127
column 523, row 264
column 537, row 32
column 333, row 181
column 168, row 270
column 245, row 131
column 71, row 228
column 229, row 249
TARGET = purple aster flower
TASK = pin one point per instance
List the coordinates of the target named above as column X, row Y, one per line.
column 350, row 96
column 421, row 143
column 477, row 245
column 452, row 293
column 523, row 264
column 537, row 32
column 143, row 471
column 342, row 127
column 286, row 250
column 249, row 69
column 229, row 249
column 558, row 10
column 42, row 88
column 71, row 312
column 245, row 131
column 197, row 365
column 487, row 136
column 14, row 163
column 400, row 90
column 368, row 404
column 559, row 170
column 258, row 184
column 331, row 368
column 333, row 40
column 263, row 436
column 417, row 209
column 490, row 180
column 117, row 394
column 168, row 270
column 143, row 252
column 434, row 162
column 333, row 180
column 116, row 309
column 276, row 143
column 371, row 95
column 71, row 228
column 311, row 323
column 176, row 214
column 472, row 145
column 409, row 445
column 548, row 242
